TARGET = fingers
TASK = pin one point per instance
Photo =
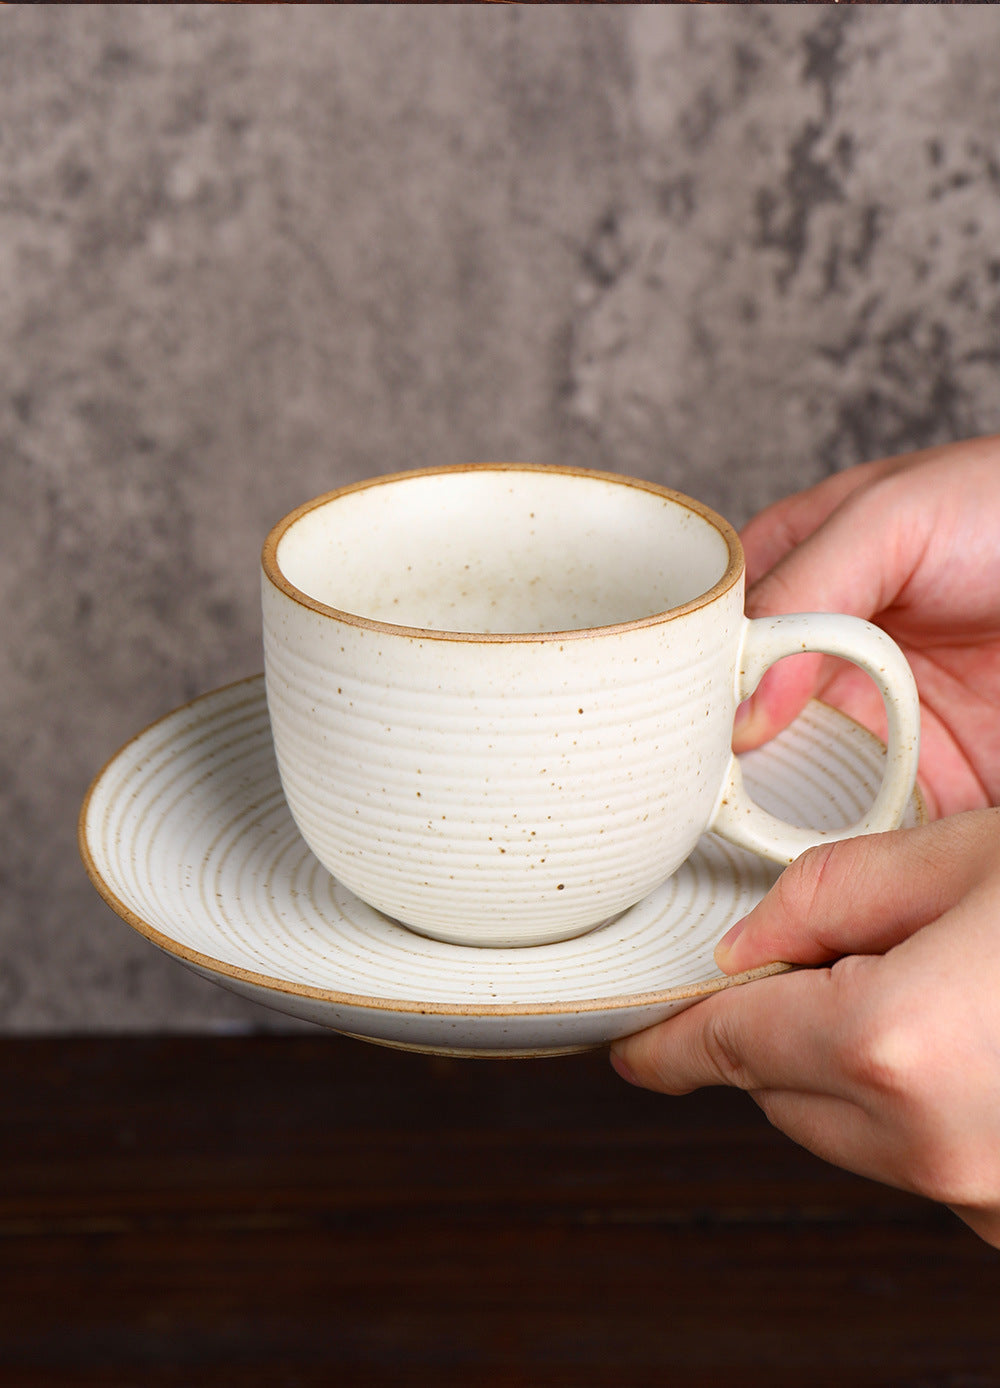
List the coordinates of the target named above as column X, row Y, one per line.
column 781, row 695
column 829, row 571
column 773, row 1034
column 787, row 687
column 803, row 555
column 863, row 895
column 880, row 1065
column 781, row 527
column 839, row 1131
column 859, row 898
column 792, row 1042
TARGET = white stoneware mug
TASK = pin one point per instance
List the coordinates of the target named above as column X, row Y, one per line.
column 502, row 695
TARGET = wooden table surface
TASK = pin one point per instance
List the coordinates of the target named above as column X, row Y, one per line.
column 309, row 1210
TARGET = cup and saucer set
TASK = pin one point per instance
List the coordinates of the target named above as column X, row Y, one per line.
column 482, row 800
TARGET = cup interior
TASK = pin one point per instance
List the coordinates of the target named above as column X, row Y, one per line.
column 504, row 549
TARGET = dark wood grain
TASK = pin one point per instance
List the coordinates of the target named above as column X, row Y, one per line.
column 310, row 1210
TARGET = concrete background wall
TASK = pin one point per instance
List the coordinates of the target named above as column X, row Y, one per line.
column 249, row 253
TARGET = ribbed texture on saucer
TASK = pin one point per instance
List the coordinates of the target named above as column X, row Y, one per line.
column 187, row 834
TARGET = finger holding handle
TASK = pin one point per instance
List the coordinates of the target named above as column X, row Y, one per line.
column 769, row 639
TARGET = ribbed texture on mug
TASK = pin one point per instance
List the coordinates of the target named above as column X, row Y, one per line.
column 496, row 810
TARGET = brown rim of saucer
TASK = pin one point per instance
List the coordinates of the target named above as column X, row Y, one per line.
column 734, row 569
column 208, row 962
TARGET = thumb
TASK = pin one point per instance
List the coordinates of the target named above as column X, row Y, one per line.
column 862, row 895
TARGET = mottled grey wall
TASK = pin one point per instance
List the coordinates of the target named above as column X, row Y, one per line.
column 249, row 253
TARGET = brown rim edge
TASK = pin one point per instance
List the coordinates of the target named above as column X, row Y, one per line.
column 275, row 576
column 626, row 1001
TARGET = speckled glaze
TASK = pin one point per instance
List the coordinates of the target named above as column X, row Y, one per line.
column 502, row 696
column 187, row 835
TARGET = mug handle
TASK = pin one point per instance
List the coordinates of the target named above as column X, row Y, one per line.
column 768, row 639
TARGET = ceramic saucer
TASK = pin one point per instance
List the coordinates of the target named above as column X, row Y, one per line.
column 185, row 833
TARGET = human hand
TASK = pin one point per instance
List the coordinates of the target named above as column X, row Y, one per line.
column 886, row 1062
column 912, row 544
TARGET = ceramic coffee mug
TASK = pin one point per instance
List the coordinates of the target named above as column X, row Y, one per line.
column 502, row 695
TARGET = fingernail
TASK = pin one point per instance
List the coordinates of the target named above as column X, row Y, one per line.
column 725, row 945
column 743, row 715
column 621, row 1069
column 746, row 726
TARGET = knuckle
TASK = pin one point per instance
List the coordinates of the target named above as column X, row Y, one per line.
column 887, row 1056
column 893, row 1060
column 881, row 1043
column 811, row 878
column 724, row 1052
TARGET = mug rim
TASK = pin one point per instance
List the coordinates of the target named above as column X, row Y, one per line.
column 279, row 580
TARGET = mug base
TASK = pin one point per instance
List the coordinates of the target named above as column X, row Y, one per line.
column 496, row 937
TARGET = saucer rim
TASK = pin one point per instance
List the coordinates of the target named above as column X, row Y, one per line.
column 569, row 1007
